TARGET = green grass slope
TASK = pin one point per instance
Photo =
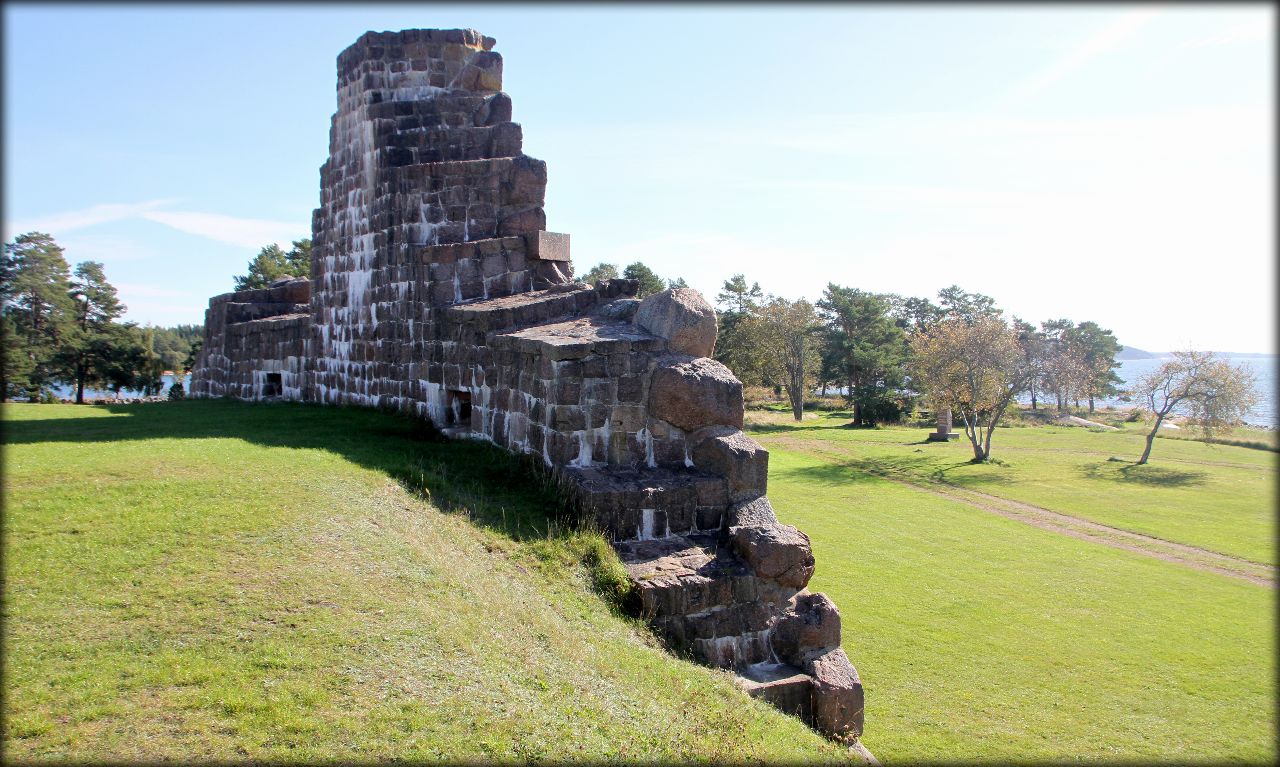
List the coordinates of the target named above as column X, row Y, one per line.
column 221, row 581
column 981, row 638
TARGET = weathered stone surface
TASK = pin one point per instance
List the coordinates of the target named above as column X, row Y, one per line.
column 683, row 317
column 778, row 552
column 436, row 290
column 618, row 309
column 757, row 511
column 812, row 624
column 729, row 453
column 783, row 686
column 547, row 246
column 692, row 392
column 837, row 695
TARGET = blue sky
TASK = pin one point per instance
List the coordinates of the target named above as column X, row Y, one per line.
column 1107, row 163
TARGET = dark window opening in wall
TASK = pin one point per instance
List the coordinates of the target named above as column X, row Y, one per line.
column 458, row 412
column 272, row 386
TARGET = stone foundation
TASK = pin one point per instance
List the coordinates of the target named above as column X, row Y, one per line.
column 436, row 290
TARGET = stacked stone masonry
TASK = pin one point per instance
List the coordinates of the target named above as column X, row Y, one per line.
column 435, row 290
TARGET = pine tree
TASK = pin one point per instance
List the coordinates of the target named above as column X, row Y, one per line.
column 273, row 263
column 35, row 290
column 97, row 350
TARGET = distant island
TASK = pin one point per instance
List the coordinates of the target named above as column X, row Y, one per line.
column 1134, row 353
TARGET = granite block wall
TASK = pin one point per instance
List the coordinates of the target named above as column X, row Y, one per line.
column 435, row 289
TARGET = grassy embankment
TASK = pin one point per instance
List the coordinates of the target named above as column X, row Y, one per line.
column 983, row 637
column 218, row 581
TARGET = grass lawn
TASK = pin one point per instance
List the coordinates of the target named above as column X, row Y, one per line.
column 222, row 581
column 1216, row 497
column 984, row 638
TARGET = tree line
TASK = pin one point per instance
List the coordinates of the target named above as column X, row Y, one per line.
column 885, row 353
column 60, row 325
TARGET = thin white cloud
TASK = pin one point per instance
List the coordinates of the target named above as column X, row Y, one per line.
column 1104, row 40
column 68, row 221
column 244, row 232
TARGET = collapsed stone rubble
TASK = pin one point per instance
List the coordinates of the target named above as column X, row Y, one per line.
column 436, row 290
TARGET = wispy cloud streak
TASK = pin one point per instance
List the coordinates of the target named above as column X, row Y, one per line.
column 233, row 230
column 1099, row 43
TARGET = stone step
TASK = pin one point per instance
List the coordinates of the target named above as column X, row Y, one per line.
column 783, row 686
column 643, row 503
column 685, row 574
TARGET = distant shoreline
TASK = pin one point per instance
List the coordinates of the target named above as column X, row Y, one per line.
column 1134, row 353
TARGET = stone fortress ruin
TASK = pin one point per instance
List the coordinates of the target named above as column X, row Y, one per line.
column 436, row 290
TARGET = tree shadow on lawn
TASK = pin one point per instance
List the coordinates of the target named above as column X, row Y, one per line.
column 1155, row 476
column 911, row 468
column 501, row 491
column 824, row 419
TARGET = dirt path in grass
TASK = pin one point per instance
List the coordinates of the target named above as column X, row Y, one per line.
column 1094, row 532
column 1046, row 519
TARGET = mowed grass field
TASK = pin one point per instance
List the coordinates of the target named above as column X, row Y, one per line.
column 981, row 637
column 216, row 581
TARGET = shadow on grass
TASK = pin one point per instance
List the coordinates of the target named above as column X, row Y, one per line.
column 902, row 468
column 1155, row 476
column 500, row 491
column 771, row 428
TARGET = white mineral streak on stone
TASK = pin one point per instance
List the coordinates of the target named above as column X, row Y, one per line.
column 739, row 649
column 645, row 531
column 434, row 395
column 688, row 462
column 646, row 439
column 584, row 446
column 603, row 433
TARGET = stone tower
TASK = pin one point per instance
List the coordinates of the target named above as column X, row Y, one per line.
column 426, row 201
column 436, row 290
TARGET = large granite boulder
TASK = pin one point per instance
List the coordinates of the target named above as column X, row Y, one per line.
column 837, row 695
column 683, row 317
column 692, row 392
column 813, row 623
column 777, row 552
column 727, row 452
column 757, row 511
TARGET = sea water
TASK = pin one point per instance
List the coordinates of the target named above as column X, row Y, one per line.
column 69, row 392
column 1263, row 368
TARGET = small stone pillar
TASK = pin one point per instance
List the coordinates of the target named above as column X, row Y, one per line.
column 944, row 432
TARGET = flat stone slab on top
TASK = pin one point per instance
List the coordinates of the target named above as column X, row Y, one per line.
column 578, row 337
